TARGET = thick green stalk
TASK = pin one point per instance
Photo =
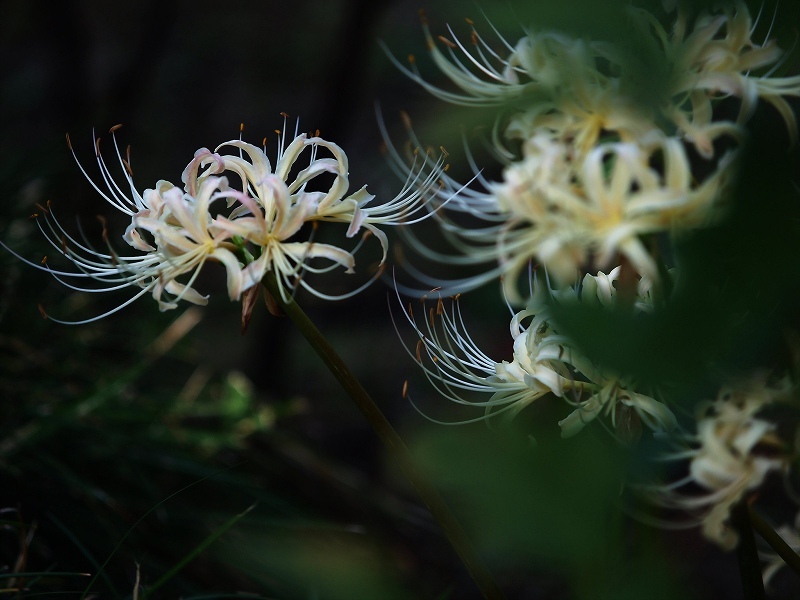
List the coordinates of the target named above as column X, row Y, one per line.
column 775, row 541
column 397, row 449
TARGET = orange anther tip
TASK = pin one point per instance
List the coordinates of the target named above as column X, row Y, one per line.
column 284, row 115
column 446, row 42
column 241, row 127
column 115, row 127
column 405, row 388
column 41, row 310
column 469, row 21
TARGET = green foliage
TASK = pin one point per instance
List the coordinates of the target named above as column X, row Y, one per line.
column 552, row 507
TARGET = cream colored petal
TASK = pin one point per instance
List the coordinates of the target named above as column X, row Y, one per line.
column 289, row 156
column 580, row 417
column 305, row 250
column 235, row 280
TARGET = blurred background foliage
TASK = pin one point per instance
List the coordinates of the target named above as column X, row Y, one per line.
column 132, row 447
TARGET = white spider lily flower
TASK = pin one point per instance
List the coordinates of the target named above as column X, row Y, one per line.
column 543, row 362
column 548, row 81
column 731, row 454
column 459, row 370
column 570, row 212
column 186, row 240
column 183, row 240
column 714, row 60
column 275, row 204
column 183, row 246
column 577, row 90
column 254, row 232
column 534, row 68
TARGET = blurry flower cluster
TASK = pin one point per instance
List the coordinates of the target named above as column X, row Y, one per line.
column 599, row 172
column 732, row 452
column 599, row 167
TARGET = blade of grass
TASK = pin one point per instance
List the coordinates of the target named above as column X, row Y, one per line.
column 195, row 552
column 83, row 550
column 142, row 518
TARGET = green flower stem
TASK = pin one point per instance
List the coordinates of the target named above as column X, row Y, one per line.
column 747, row 553
column 397, row 449
column 775, row 541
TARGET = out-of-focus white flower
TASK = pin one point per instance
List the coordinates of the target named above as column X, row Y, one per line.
column 730, row 455
column 592, row 172
column 717, row 58
column 577, row 90
column 544, row 361
column 569, row 213
column 251, row 233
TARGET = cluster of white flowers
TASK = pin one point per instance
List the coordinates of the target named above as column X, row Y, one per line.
column 597, row 171
column 238, row 210
column 593, row 178
column 544, row 361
